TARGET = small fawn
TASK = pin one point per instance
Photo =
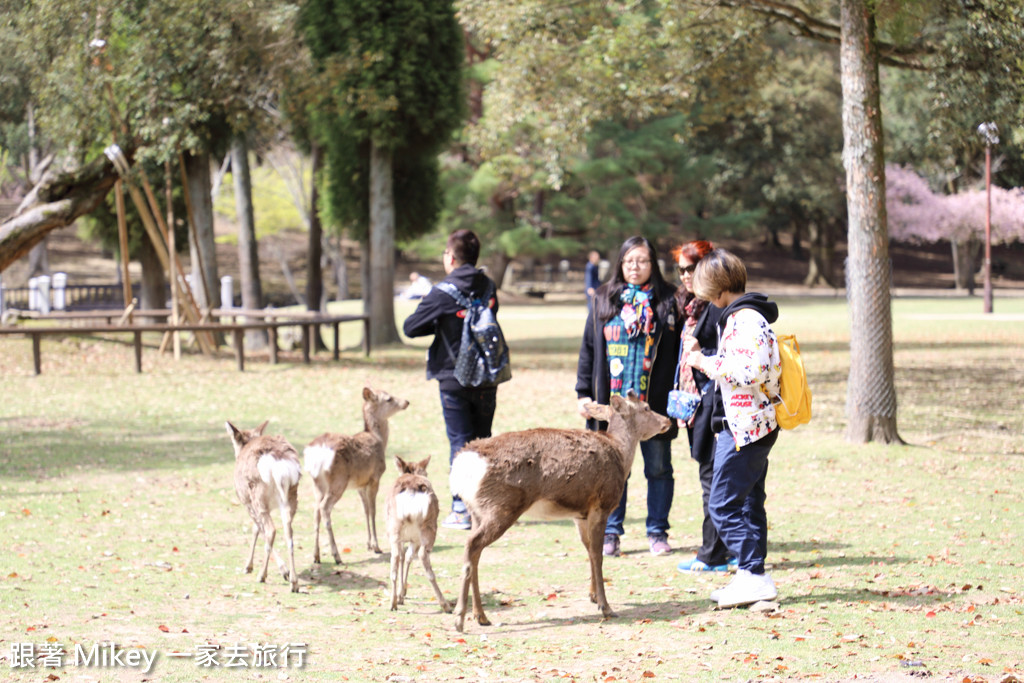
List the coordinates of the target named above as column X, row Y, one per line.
column 411, row 512
column 267, row 473
column 553, row 474
column 338, row 462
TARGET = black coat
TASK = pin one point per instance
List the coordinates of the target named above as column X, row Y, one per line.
column 593, row 377
column 700, row 434
column 439, row 314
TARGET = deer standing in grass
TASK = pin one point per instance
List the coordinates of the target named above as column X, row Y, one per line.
column 267, row 473
column 553, row 474
column 338, row 462
column 411, row 510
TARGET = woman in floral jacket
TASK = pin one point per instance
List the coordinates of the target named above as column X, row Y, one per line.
column 746, row 370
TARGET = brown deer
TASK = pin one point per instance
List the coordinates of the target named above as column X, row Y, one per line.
column 338, row 462
column 267, row 473
column 411, row 512
column 553, row 474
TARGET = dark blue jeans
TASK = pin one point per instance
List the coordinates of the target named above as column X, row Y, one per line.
column 661, row 486
column 468, row 414
column 737, row 498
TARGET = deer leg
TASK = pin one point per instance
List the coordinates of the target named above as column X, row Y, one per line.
column 584, row 531
column 429, row 571
column 252, row 547
column 480, row 537
column 267, row 525
column 326, row 505
column 369, row 495
column 316, row 521
column 596, row 523
column 410, row 553
column 287, row 514
column 397, row 558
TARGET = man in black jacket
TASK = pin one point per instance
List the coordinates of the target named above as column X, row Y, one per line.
column 468, row 411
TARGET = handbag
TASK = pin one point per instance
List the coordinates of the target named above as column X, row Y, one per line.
column 683, row 402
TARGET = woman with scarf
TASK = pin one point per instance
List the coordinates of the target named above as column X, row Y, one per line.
column 700, row 320
column 631, row 342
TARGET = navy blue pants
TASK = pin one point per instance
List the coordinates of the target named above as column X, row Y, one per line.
column 468, row 414
column 661, row 486
column 737, row 498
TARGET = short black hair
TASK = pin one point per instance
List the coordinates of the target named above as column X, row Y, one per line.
column 464, row 246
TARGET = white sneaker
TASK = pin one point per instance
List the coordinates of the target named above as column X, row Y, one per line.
column 746, row 589
column 717, row 593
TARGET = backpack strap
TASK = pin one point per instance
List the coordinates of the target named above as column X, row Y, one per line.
column 453, row 291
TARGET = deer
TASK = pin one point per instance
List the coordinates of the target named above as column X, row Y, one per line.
column 337, row 462
column 267, row 473
column 552, row 474
column 411, row 510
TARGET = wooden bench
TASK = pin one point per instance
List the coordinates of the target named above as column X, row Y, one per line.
column 271, row 323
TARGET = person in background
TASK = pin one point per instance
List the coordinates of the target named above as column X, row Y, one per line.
column 746, row 369
column 700, row 320
column 591, row 278
column 631, row 342
column 468, row 412
column 419, row 287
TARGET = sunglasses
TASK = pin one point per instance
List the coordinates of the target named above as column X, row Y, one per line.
column 687, row 269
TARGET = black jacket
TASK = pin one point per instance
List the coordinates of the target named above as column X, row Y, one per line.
column 440, row 315
column 593, row 378
column 702, row 438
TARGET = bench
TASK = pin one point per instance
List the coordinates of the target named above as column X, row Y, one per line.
column 271, row 322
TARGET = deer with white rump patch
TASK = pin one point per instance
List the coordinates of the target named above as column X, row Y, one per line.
column 267, row 473
column 338, row 462
column 552, row 474
column 411, row 510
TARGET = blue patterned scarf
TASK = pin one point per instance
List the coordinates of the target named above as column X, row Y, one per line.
column 629, row 342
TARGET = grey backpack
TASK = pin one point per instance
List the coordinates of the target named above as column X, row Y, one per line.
column 483, row 354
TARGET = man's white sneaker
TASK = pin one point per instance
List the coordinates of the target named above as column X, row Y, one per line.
column 746, row 589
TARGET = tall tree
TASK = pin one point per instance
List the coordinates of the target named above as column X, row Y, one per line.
column 394, row 70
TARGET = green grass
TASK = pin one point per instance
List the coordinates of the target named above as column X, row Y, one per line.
column 118, row 520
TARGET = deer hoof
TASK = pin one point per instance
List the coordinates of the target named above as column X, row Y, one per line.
column 483, row 620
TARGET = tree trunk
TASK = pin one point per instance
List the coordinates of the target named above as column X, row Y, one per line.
column 314, row 259
column 153, row 288
column 871, row 390
column 58, row 200
column 381, row 294
column 965, row 263
column 821, row 245
column 202, row 248
column 248, row 248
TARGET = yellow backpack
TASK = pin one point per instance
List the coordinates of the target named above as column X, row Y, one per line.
column 794, row 401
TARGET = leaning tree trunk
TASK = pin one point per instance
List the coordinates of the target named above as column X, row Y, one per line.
column 382, row 249
column 248, row 248
column 57, row 201
column 202, row 248
column 871, row 390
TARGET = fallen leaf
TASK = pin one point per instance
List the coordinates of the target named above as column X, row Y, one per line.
column 164, row 628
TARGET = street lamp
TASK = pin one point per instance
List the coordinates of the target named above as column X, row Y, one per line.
column 990, row 132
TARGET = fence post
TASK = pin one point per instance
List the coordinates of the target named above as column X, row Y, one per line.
column 227, row 297
column 44, row 294
column 33, row 294
column 60, row 283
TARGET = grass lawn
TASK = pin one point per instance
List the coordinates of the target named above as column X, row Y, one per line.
column 119, row 523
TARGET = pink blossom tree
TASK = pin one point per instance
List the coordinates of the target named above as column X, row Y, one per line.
column 916, row 214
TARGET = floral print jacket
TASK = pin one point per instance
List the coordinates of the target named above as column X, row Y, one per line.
column 746, row 369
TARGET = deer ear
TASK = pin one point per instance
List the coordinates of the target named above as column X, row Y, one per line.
column 400, row 464
column 367, row 392
column 422, row 464
column 618, row 402
column 232, row 429
column 259, row 430
column 599, row 411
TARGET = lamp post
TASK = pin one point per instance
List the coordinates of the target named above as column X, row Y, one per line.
column 990, row 132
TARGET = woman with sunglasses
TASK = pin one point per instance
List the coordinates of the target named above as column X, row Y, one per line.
column 700, row 320
column 631, row 342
